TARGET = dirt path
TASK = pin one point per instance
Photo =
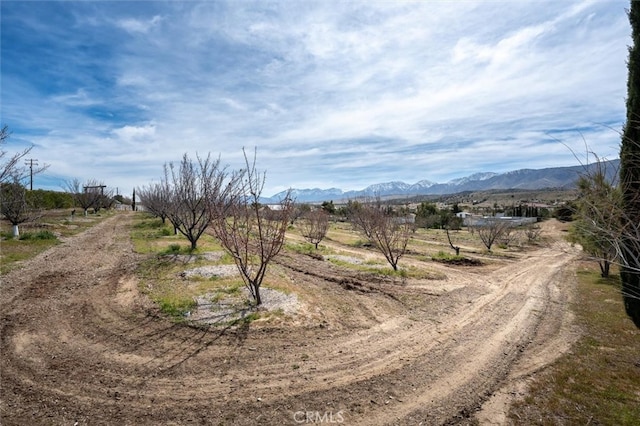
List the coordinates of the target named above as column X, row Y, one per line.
column 80, row 344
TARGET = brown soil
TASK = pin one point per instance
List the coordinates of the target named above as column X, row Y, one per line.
column 81, row 345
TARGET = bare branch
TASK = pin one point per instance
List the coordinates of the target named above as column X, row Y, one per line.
column 253, row 234
column 196, row 186
column 314, row 226
column 15, row 207
column 389, row 234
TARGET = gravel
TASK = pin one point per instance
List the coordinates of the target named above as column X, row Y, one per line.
column 211, row 271
column 211, row 309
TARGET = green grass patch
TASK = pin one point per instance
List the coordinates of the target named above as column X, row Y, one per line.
column 360, row 243
column 308, row 249
column 15, row 251
column 249, row 318
column 599, row 381
column 36, row 237
column 149, row 235
column 390, row 272
column 380, row 269
column 40, row 235
column 452, row 259
column 175, row 248
column 176, row 305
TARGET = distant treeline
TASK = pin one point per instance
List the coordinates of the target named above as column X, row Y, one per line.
column 43, row 199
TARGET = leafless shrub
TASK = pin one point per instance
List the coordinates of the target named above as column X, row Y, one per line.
column 532, row 232
column 509, row 236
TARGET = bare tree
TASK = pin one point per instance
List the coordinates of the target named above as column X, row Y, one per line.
column 87, row 195
column 195, row 187
column 456, row 248
column 389, row 234
column 363, row 216
column 299, row 210
column 314, row 226
column 105, row 198
column 251, row 233
column 452, row 222
column 15, row 206
column 156, row 198
column 10, row 168
column 491, row 230
column 532, row 232
column 509, row 235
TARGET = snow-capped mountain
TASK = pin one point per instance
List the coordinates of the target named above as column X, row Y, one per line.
column 315, row 193
column 474, row 177
column 555, row 177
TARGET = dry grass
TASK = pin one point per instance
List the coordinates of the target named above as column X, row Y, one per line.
column 599, row 381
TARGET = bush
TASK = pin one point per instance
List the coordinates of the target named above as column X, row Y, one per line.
column 451, row 259
column 40, row 235
column 173, row 249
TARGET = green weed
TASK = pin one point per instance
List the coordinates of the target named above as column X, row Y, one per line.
column 40, row 235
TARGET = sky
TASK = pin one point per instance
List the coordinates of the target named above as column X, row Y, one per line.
column 330, row 93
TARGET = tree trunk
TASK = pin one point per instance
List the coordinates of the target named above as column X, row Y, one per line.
column 256, row 290
column 16, row 232
column 604, row 268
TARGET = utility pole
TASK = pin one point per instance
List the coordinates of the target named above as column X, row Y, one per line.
column 31, row 162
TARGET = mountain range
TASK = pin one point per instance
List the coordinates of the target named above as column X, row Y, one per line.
column 527, row 179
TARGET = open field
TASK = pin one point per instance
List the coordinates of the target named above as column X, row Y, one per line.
column 83, row 342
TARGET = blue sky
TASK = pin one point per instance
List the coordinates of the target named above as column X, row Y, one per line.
column 332, row 93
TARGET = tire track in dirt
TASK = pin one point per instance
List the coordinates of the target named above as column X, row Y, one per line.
column 79, row 343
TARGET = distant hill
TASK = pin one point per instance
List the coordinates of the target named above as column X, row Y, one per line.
column 554, row 177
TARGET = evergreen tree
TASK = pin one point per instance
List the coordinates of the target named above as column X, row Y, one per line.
column 630, row 173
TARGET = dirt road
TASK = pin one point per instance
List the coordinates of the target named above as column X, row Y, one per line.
column 81, row 345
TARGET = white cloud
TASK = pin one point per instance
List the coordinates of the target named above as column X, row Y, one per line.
column 137, row 25
column 79, row 98
column 358, row 92
column 130, row 133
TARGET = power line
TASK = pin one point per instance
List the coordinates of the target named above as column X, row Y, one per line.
column 31, row 162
